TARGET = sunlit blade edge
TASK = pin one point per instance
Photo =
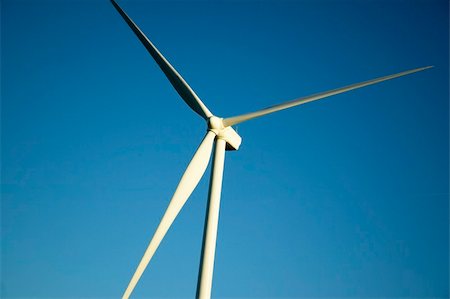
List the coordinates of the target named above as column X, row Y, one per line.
column 188, row 182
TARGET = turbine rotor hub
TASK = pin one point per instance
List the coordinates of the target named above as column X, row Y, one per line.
column 215, row 124
column 228, row 134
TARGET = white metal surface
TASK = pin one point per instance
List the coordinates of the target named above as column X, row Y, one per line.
column 228, row 134
column 188, row 182
column 204, row 283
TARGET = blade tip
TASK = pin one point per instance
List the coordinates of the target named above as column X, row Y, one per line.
column 427, row 67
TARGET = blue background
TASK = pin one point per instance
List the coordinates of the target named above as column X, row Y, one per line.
column 343, row 197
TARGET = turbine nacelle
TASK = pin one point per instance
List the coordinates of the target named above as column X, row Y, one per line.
column 232, row 138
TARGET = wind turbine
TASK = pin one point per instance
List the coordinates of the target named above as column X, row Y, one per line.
column 221, row 134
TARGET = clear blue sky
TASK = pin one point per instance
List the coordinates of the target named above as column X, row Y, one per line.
column 344, row 197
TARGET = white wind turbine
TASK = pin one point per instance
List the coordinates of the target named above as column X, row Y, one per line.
column 221, row 133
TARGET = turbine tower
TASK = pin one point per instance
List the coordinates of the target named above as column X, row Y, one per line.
column 222, row 137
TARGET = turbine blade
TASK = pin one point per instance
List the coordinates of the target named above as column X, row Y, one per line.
column 188, row 182
column 244, row 117
column 183, row 89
